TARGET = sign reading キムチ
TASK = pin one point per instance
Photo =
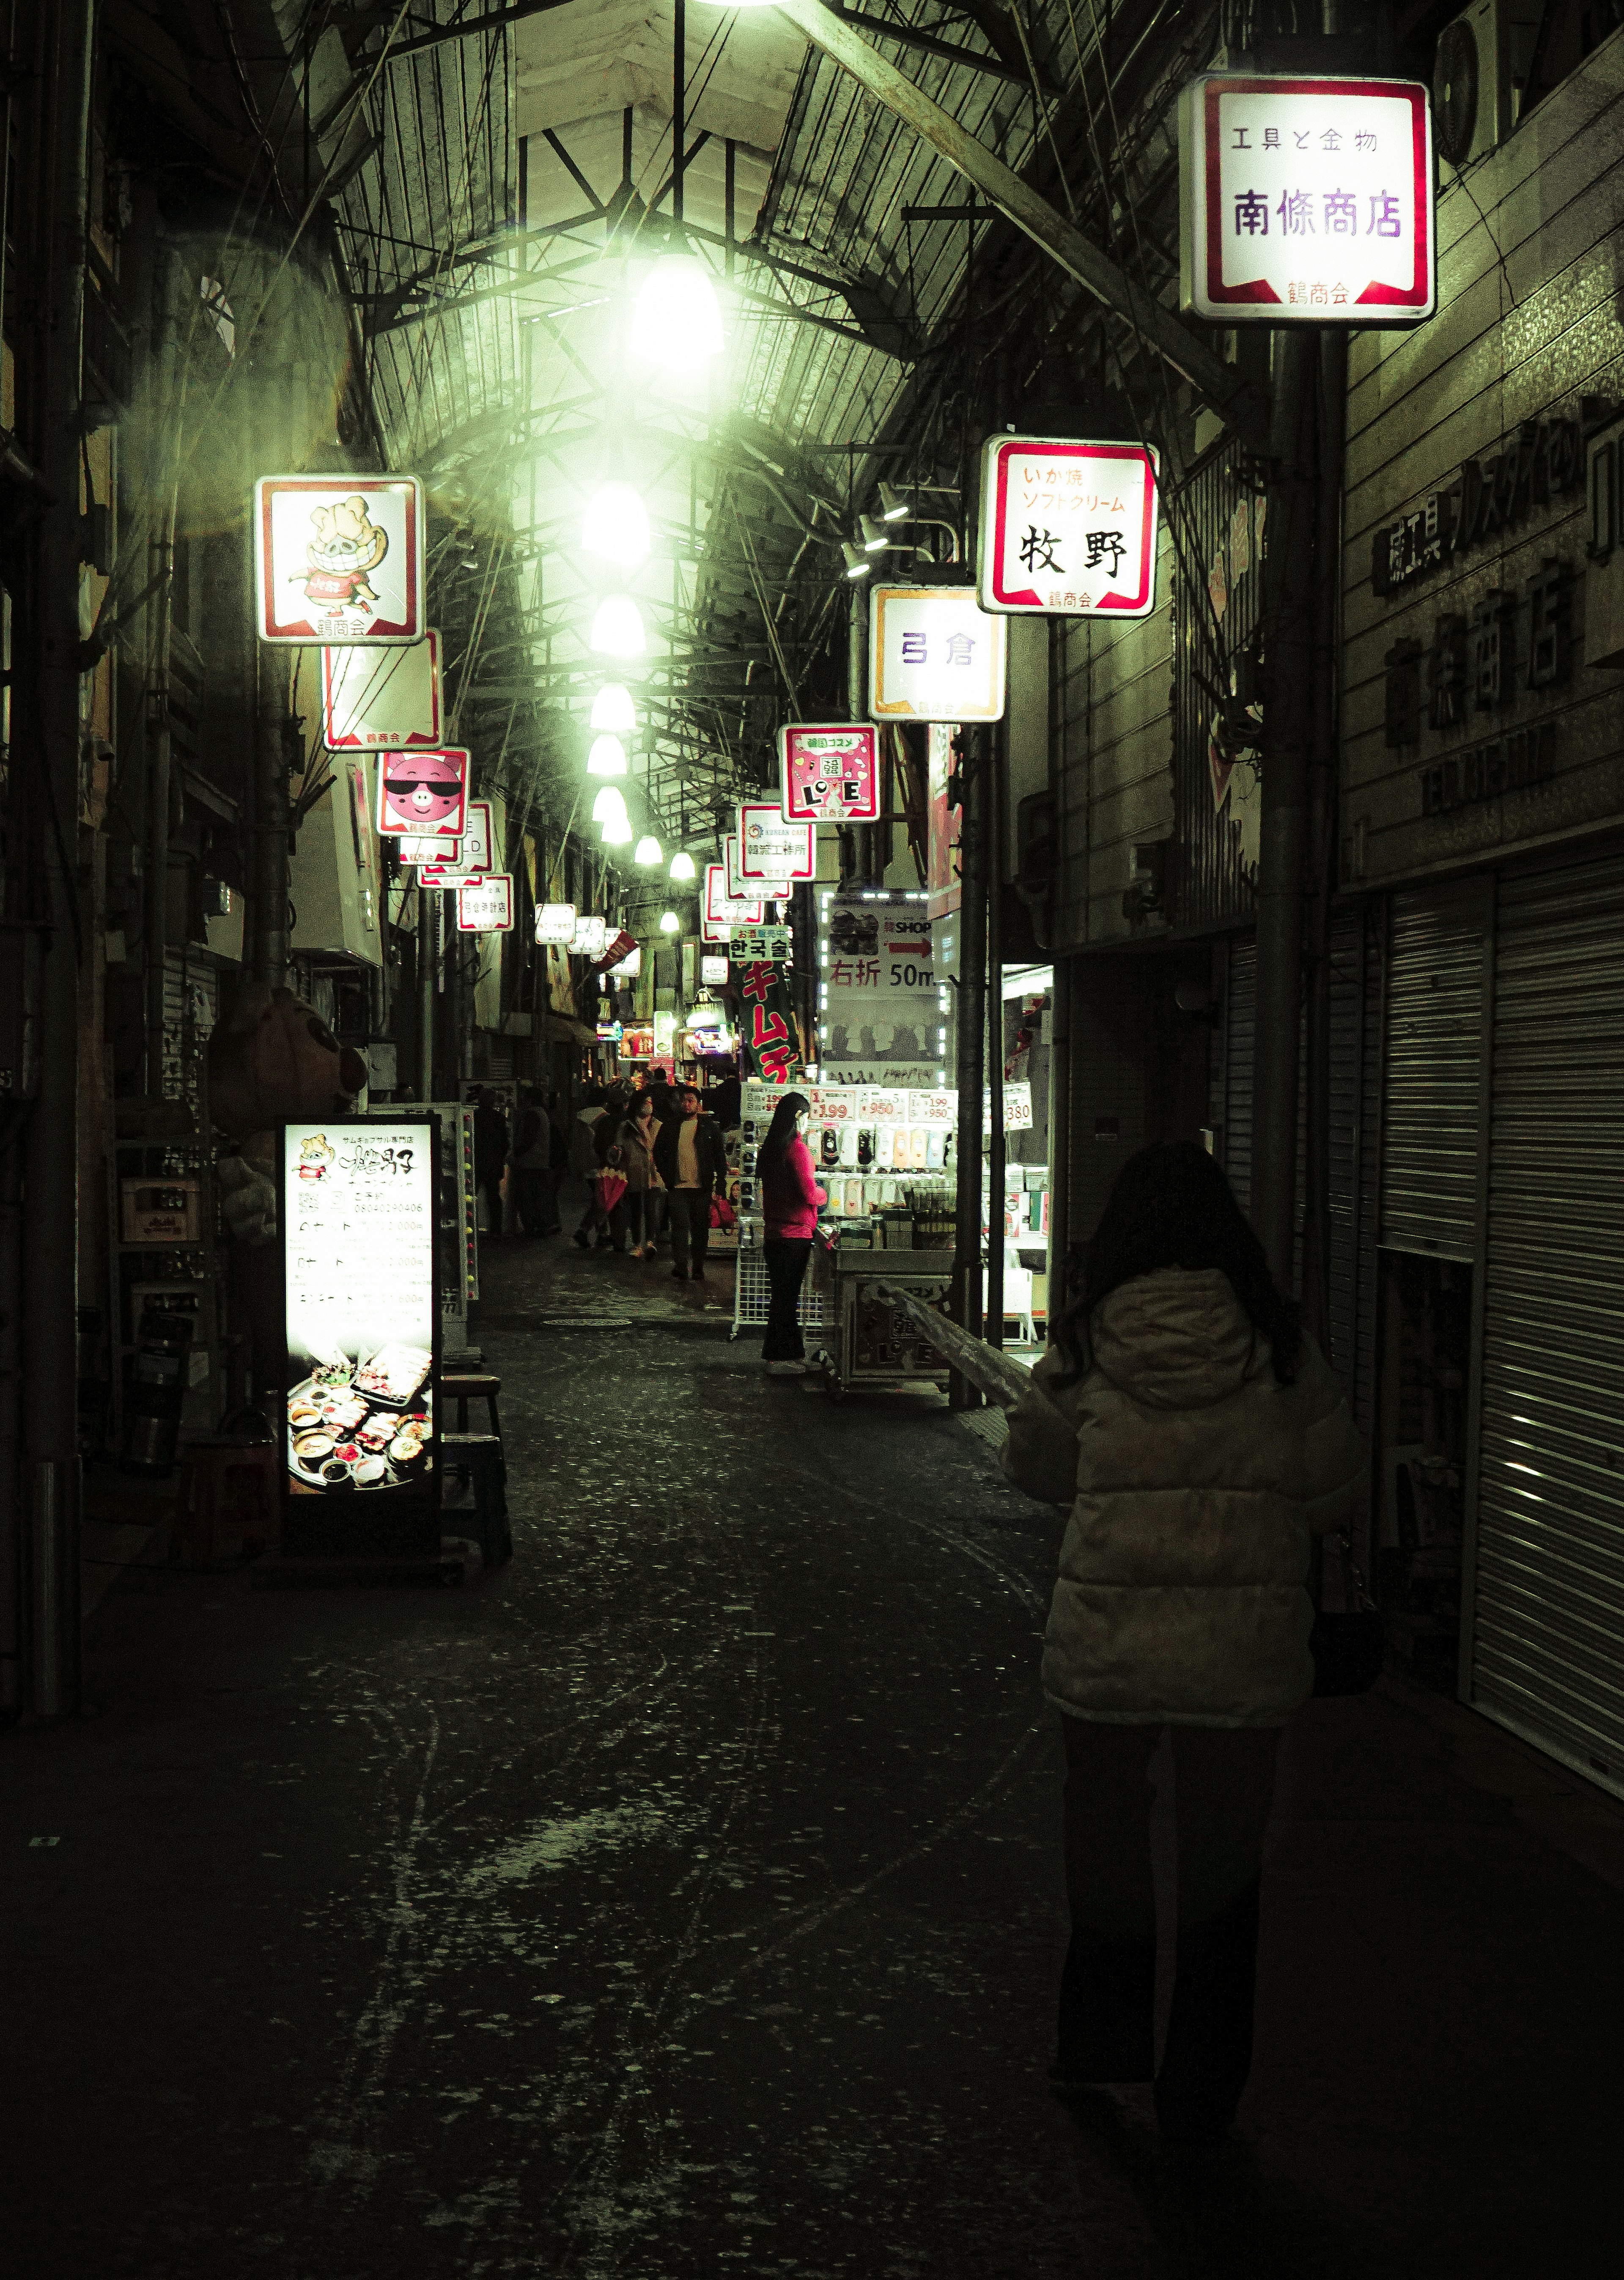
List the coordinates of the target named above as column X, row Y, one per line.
column 1306, row 201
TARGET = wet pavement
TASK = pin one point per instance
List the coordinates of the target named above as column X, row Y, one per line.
column 685, row 1899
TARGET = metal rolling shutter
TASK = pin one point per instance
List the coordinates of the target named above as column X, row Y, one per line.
column 1356, row 1076
column 1431, row 1109
column 1547, row 1610
column 1241, row 1048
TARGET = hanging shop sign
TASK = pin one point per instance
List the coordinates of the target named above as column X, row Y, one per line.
column 748, row 943
column 713, row 972
column 361, row 1306
column 589, row 937
column 474, row 859
column 830, row 772
column 485, row 904
column 555, row 922
column 630, row 966
column 879, row 1010
column 339, row 562
column 934, row 655
column 381, row 700
column 1306, row 201
column 665, row 1035
column 769, row 1040
column 422, row 795
column 412, row 850
column 1017, row 1107
column 773, row 850
column 609, row 1033
column 723, row 910
column 638, row 1045
column 1067, row 529
column 742, row 887
column 942, row 878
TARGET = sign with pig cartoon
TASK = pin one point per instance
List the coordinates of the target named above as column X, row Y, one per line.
column 339, row 561
column 422, row 795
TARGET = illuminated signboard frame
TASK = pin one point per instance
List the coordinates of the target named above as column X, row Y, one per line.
column 908, row 682
column 382, row 704
column 447, row 781
column 832, row 756
column 1075, row 500
column 294, row 515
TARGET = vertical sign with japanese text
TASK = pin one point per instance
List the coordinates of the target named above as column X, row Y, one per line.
column 1067, row 529
column 769, row 1040
column 1306, row 201
column 934, row 654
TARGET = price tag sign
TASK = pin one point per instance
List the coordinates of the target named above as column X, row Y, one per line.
column 1067, row 529
column 339, row 561
column 485, row 905
column 830, row 772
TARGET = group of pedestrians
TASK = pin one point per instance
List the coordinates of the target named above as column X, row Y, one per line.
column 655, row 1163
column 528, row 1150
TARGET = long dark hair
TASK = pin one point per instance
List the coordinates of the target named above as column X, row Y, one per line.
column 1171, row 1206
column 780, row 1131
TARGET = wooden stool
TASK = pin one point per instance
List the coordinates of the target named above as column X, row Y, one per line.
column 227, row 1502
column 480, row 1456
column 464, row 1386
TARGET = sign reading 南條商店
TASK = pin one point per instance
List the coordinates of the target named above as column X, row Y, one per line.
column 1067, row 529
column 339, row 561
column 1306, row 201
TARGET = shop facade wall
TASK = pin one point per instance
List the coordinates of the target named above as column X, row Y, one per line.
column 1528, row 329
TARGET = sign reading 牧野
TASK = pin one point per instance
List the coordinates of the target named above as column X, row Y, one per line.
column 1306, row 201
column 1067, row 529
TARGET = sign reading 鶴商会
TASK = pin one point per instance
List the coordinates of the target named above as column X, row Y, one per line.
column 1069, row 529
column 1306, row 201
column 382, row 699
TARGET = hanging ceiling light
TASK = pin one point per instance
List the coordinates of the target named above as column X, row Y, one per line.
column 617, row 628
column 895, row 506
column 607, row 757
column 675, row 320
column 670, row 923
column 682, row 866
column 609, row 805
column 615, row 525
column 649, row 850
column 858, row 565
column 873, row 534
column 617, row 831
column 613, row 710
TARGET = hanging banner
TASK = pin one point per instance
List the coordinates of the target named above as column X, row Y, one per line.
column 772, row 851
column 555, row 922
column 934, row 655
column 722, row 912
column 475, row 858
column 830, row 772
column 385, row 699
column 943, row 880
column 339, row 561
column 880, row 1018
column 1306, row 201
column 422, row 795
column 485, row 904
column 1067, row 529
column 769, row 1042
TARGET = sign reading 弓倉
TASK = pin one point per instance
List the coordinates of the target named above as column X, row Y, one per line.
column 830, row 772
column 1306, row 201
column 339, row 561
column 1067, row 529
column 934, row 655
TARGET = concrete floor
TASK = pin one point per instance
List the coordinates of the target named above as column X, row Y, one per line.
column 685, row 1900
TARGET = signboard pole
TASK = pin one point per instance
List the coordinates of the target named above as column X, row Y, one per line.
column 967, row 1285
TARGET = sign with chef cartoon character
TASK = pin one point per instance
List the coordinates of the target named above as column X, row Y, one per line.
column 339, row 562
column 422, row 795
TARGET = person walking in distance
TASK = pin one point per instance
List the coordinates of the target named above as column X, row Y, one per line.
column 691, row 1159
column 1204, row 1442
column 585, row 1161
column 490, row 1146
column 644, row 1200
column 790, row 1198
column 532, row 1148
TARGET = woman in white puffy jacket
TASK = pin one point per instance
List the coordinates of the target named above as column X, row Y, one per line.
column 1201, row 1442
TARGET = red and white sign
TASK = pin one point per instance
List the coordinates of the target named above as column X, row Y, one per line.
column 422, row 795
column 475, row 858
column 742, row 887
column 1067, row 529
column 1306, row 201
column 382, row 699
column 428, row 851
column 485, row 905
column 339, row 561
column 831, row 773
column 722, row 911
column 555, row 923
column 934, row 654
column 771, row 849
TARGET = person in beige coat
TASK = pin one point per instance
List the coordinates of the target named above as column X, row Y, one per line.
column 1202, row 1444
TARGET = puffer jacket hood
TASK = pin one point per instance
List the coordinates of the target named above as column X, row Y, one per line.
column 1177, row 1339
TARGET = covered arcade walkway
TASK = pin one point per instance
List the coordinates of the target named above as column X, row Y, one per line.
column 685, row 1899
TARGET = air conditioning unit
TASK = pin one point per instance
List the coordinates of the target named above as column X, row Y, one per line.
column 1478, row 76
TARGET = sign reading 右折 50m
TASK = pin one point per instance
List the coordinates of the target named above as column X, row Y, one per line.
column 1306, row 201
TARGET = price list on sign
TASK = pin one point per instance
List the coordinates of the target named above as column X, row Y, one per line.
column 1306, row 201
column 1068, row 528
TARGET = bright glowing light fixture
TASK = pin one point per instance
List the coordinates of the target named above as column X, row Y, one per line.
column 895, row 506
column 676, row 322
column 873, row 534
column 615, row 527
column 669, row 922
column 617, row 833
column 607, row 757
column 609, row 807
column 858, row 565
column 649, row 850
column 617, row 629
column 682, row 866
column 613, row 710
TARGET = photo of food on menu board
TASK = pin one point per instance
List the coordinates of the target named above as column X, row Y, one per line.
column 360, row 1306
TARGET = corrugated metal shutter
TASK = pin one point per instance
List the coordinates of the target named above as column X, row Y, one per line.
column 1109, row 1023
column 1431, row 1110
column 1240, row 1055
column 1547, row 1605
column 1355, row 1059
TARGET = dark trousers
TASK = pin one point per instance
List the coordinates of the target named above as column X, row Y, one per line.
column 533, row 1202
column 490, row 1188
column 786, row 1257
column 645, row 1214
column 1224, row 1788
column 690, row 1225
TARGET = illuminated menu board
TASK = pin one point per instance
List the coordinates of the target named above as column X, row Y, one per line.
column 362, row 1311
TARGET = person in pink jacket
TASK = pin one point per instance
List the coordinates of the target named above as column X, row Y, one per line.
column 790, row 1198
